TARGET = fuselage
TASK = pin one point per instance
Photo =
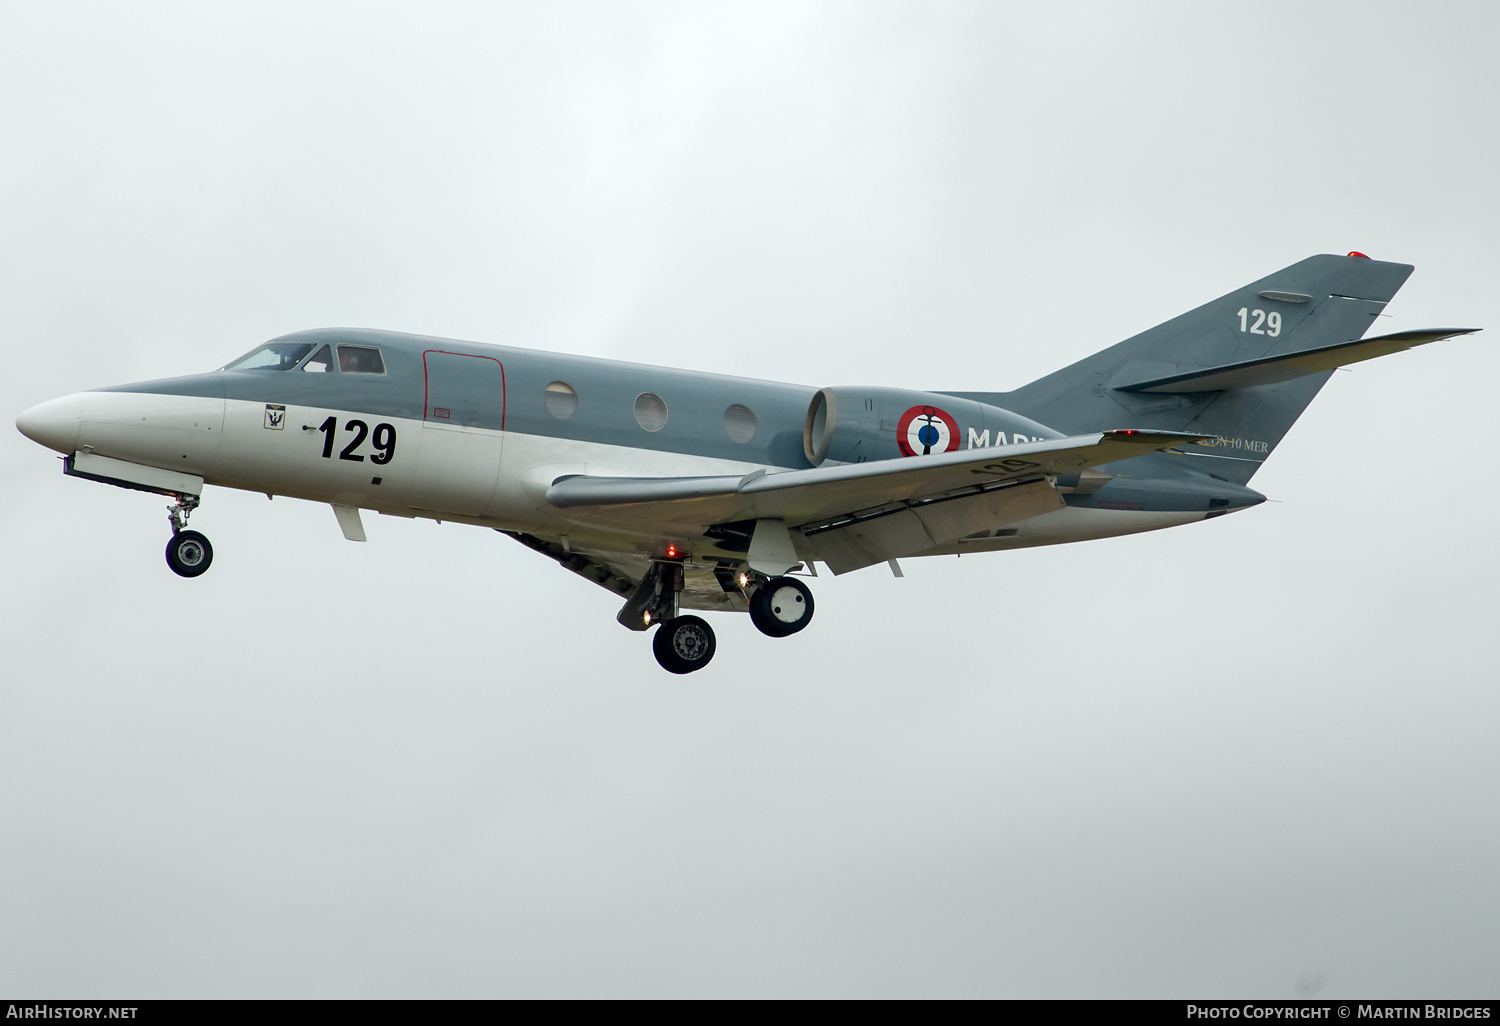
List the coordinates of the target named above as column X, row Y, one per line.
column 463, row 431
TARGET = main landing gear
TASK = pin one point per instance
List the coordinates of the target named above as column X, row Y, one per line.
column 188, row 553
column 683, row 644
column 779, row 606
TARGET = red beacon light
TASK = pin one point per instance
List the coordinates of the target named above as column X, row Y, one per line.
column 1357, row 253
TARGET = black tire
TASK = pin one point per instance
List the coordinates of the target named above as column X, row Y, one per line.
column 684, row 644
column 189, row 553
column 782, row 606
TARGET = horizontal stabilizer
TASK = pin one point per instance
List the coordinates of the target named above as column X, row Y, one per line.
column 1272, row 369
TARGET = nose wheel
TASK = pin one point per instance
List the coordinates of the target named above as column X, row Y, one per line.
column 188, row 553
column 781, row 606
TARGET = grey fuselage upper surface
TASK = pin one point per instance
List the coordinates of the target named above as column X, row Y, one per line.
column 513, row 401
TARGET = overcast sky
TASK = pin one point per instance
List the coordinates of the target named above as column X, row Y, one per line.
column 1251, row 757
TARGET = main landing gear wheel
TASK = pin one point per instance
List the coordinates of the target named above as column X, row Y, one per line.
column 683, row 644
column 189, row 553
column 781, row 606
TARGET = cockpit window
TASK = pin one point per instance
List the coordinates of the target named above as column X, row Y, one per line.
column 320, row 362
column 360, row 360
column 277, row 356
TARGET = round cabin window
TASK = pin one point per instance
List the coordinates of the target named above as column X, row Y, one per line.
column 650, row 411
column 740, row 422
column 560, row 399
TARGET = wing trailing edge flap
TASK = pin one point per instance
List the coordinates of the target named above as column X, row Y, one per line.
column 877, row 536
column 1273, row 369
column 861, row 514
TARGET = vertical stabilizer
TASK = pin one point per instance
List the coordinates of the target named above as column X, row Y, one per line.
column 1321, row 301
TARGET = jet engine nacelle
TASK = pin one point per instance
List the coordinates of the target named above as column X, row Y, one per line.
column 852, row 424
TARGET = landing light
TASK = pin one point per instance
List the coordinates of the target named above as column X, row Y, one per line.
column 744, row 580
column 648, row 616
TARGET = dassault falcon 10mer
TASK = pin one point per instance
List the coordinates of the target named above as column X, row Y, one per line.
column 679, row 490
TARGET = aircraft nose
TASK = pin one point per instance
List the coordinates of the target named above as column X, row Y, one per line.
column 54, row 424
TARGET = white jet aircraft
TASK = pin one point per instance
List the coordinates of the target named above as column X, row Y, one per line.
column 681, row 490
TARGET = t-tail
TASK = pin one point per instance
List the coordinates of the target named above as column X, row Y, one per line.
column 1240, row 369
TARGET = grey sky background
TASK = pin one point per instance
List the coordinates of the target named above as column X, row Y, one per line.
column 1249, row 757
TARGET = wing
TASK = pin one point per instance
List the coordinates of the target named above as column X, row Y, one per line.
column 859, row 514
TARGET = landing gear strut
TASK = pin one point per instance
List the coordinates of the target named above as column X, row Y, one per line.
column 188, row 553
column 781, row 606
column 682, row 643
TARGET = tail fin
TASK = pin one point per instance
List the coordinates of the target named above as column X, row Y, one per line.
column 1322, row 301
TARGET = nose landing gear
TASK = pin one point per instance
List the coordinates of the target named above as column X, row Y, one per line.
column 188, row 552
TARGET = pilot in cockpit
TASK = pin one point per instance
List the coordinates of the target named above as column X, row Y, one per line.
column 360, row 360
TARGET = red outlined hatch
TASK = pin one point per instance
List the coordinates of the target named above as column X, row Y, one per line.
column 463, row 389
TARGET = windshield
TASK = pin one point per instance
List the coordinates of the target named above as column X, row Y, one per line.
column 320, row 362
column 277, row 356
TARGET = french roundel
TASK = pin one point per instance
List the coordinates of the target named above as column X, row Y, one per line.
column 923, row 430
